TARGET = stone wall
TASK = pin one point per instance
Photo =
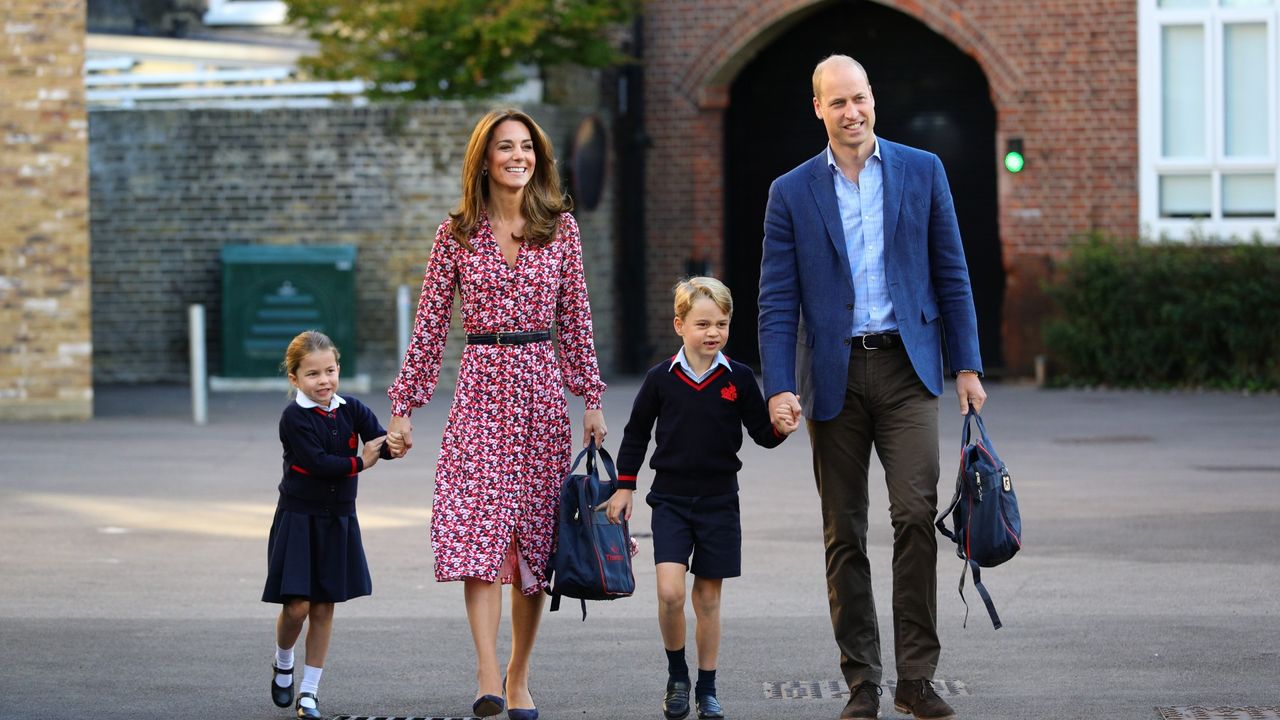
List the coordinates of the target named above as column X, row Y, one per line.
column 45, row 352
column 170, row 187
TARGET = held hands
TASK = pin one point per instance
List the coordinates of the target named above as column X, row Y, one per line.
column 969, row 390
column 593, row 427
column 372, row 450
column 619, row 506
column 784, row 412
column 399, row 436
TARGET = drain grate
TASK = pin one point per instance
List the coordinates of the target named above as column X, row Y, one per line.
column 823, row 689
column 1196, row 712
column 1216, row 468
column 1106, row 440
column 391, row 717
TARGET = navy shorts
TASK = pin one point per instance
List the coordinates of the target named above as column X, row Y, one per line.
column 709, row 528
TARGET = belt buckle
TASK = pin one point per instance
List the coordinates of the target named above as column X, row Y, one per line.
column 499, row 336
column 865, row 346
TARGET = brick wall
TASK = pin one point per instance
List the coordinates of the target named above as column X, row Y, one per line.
column 1063, row 76
column 45, row 352
column 169, row 188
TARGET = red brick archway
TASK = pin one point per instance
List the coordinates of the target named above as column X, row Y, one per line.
column 1039, row 58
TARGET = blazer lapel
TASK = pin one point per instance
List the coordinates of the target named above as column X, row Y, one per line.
column 824, row 195
column 893, row 174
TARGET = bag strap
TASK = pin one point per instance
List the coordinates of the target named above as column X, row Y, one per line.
column 982, row 591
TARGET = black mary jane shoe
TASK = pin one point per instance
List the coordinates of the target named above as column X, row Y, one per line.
column 306, row 713
column 281, row 696
column 675, row 705
column 708, row 707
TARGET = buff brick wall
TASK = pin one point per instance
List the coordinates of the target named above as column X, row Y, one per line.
column 170, row 187
column 45, row 351
column 1063, row 76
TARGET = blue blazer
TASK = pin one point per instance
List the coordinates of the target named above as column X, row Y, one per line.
column 806, row 290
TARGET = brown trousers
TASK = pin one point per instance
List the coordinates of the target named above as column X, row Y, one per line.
column 885, row 406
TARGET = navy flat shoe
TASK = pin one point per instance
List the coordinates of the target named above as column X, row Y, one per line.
column 488, row 706
column 519, row 713
column 281, row 696
column 675, row 705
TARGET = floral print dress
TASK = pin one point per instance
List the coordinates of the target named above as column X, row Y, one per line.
column 508, row 441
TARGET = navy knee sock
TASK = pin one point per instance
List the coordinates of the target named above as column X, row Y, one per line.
column 706, row 682
column 677, row 668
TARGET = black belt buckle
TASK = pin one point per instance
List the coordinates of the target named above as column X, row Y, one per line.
column 877, row 342
column 498, row 339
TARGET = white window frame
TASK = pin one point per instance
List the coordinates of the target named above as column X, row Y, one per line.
column 1151, row 162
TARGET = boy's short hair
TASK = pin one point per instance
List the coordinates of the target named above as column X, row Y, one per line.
column 689, row 290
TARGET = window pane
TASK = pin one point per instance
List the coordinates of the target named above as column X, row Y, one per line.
column 1245, row 112
column 1182, row 91
column 1248, row 195
column 1184, row 3
column 1183, row 196
column 1247, row 3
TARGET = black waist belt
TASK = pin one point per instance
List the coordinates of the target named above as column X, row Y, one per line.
column 877, row 342
column 508, row 338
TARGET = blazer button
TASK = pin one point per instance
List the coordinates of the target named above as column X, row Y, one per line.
column 848, row 341
column 848, row 306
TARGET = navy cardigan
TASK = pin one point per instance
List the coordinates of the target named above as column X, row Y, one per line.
column 322, row 456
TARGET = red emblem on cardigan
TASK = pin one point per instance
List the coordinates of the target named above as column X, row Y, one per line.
column 351, row 441
column 729, row 392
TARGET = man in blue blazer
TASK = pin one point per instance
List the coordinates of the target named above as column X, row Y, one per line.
column 863, row 277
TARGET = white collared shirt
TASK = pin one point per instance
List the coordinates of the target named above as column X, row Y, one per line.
column 308, row 403
column 683, row 362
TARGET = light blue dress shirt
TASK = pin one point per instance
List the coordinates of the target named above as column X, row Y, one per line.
column 683, row 362
column 861, row 207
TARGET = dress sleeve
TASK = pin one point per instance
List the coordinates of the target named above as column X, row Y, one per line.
column 420, row 369
column 578, row 364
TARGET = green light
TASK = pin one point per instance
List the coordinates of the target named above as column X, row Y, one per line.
column 1013, row 162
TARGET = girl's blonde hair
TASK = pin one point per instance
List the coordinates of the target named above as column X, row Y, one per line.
column 689, row 290
column 303, row 345
column 542, row 201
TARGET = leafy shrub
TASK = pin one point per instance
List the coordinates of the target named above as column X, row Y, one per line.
column 1141, row 314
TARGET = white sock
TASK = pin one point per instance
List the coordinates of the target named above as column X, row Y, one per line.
column 310, row 683
column 284, row 661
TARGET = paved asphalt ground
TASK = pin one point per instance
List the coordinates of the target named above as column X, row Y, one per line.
column 132, row 554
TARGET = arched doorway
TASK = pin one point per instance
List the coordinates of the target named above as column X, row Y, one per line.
column 928, row 94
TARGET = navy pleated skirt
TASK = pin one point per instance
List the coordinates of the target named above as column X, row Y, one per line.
column 317, row 557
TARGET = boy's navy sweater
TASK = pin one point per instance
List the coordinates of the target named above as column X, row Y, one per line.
column 322, row 456
column 699, row 429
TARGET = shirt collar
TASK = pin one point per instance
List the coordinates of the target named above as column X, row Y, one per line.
column 683, row 361
column 831, row 158
column 308, row 403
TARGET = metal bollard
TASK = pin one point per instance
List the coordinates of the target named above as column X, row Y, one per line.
column 404, row 318
column 199, row 369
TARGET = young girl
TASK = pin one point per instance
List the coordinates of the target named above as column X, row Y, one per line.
column 314, row 554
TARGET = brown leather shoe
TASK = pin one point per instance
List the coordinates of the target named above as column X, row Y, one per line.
column 864, row 702
column 917, row 698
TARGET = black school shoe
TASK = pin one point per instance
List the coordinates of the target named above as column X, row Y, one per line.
column 306, row 713
column 281, row 696
column 708, row 707
column 675, row 705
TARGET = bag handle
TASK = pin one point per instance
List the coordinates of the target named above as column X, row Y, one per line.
column 982, row 428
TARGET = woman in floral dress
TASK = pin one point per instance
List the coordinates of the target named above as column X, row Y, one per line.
column 513, row 253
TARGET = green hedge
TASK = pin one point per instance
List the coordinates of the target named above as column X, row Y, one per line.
column 1143, row 314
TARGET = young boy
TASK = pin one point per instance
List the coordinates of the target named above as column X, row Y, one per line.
column 701, row 400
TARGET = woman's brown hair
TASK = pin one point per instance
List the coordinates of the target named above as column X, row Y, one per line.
column 542, row 201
